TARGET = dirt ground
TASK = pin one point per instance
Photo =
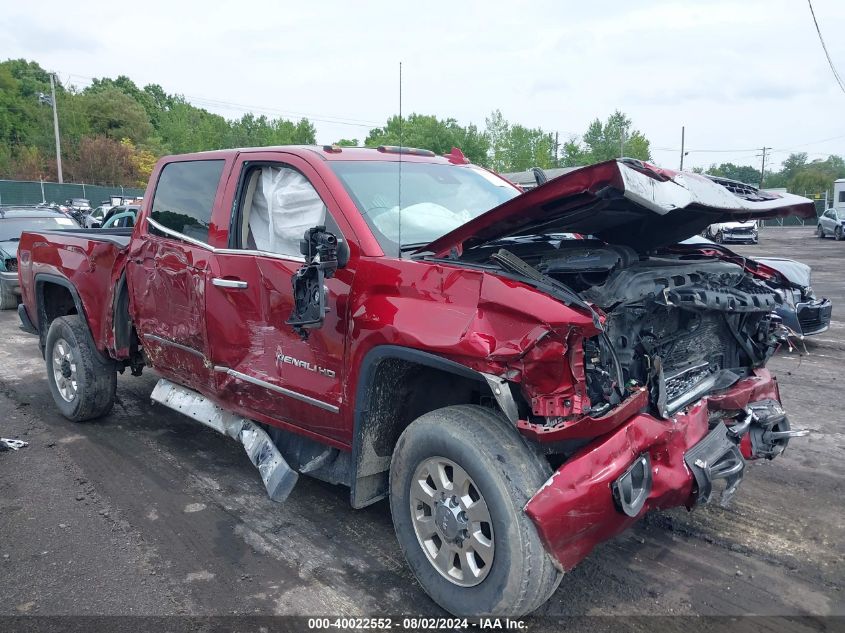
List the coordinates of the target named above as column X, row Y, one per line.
column 147, row 512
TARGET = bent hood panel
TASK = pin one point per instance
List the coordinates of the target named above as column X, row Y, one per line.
column 797, row 273
column 622, row 202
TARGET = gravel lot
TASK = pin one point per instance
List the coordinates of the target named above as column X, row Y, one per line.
column 146, row 512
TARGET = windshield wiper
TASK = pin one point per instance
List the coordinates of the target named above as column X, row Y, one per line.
column 514, row 264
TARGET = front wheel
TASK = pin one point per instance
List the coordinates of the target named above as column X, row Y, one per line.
column 459, row 480
column 819, row 231
column 83, row 384
column 837, row 234
column 719, row 238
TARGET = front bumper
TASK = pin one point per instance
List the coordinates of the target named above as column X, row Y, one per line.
column 814, row 316
column 10, row 281
column 579, row 506
column 746, row 238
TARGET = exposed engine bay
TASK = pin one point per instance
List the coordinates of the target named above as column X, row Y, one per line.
column 681, row 326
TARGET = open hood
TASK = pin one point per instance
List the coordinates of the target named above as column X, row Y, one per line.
column 625, row 202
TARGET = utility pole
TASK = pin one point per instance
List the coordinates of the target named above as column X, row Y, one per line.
column 763, row 167
column 682, row 149
column 56, row 126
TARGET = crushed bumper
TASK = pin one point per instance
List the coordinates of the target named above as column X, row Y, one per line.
column 814, row 316
column 591, row 497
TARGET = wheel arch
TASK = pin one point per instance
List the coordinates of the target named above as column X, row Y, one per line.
column 396, row 385
column 56, row 296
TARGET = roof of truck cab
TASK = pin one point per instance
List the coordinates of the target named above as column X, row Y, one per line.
column 321, row 151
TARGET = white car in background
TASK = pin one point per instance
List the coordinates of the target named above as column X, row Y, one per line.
column 725, row 232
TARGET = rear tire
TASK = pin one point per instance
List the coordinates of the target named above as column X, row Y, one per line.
column 8, row 299
column 497, row 472
column 837, row 234
column 83, row 384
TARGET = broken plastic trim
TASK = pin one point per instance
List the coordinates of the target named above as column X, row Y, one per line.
column 278, row 477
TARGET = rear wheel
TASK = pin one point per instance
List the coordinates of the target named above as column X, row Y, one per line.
column 459, row 479
column 819, row 231
column 83, row 384
column 837, row 234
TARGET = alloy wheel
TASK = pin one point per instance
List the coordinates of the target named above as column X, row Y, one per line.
column 452, row 521
column 64, row 370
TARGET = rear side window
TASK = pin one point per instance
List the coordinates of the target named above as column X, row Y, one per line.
column 184, row 197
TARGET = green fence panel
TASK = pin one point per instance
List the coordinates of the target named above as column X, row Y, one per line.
column 33, row 192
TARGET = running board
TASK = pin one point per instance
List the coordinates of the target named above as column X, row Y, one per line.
column 278, row 477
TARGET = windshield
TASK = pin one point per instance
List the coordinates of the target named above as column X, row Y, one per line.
column 11, row 229
column 435, row 198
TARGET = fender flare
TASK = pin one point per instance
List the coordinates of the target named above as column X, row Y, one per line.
column 44, row 278
column 496, row 386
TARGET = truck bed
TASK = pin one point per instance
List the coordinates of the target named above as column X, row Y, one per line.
column 87, row 263
column 119, row 237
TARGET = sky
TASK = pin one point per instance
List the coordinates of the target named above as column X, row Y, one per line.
column 738, row 75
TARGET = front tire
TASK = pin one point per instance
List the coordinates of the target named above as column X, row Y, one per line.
column 459, row 480
column 719, row 238
column 83, row 384
column 819, row 231
column 837, row 234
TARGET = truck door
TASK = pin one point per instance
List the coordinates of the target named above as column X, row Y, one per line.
column 262, row 367
column 167, row 272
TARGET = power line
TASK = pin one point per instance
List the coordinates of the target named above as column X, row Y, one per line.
column 824, row 47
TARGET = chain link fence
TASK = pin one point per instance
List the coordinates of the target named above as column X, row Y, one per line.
column 34, row 192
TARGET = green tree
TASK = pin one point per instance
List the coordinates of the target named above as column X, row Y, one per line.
column 429, row 132
column 497, row 130
column 346, row 142
column 114, row 114
column 817, row 176
column 743, row 173
column 612, row 139
column 606, row 141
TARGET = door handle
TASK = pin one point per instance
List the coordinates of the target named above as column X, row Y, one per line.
column 228, row 283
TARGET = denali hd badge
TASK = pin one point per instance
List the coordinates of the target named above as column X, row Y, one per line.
column 304, row 364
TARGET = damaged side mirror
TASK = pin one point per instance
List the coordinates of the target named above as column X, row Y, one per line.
column 324, row 254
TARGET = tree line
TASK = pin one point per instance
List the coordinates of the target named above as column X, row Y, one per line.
column 113, row 131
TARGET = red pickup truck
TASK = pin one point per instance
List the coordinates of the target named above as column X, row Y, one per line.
column 415, row 327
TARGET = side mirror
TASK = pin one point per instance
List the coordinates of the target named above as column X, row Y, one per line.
column 323, row 256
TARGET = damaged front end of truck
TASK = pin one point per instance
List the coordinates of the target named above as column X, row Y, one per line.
column 659, row 396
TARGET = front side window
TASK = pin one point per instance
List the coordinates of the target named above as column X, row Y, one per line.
column 434, row 198
column 842, row 196
column 278, row 205
column 184, row 197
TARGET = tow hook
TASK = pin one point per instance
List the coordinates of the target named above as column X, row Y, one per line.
column 717, row 456
column 770, row 430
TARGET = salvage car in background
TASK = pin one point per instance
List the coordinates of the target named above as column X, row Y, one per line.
column 94, row 219
column 832, row 224
column 800, row 310
column 740, row 232
column 13, row 222
column 120, row 217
